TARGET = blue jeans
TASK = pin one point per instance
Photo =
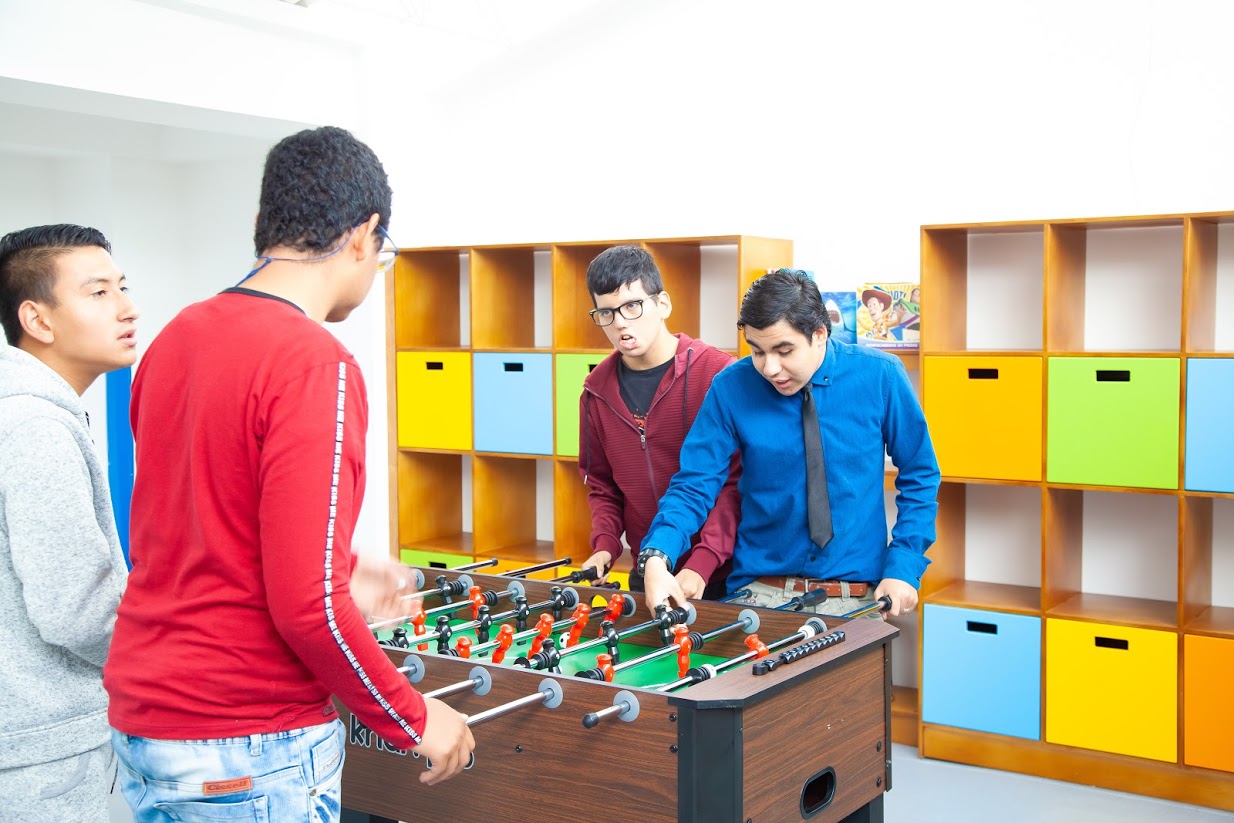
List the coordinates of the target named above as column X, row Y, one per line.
column 264, row 778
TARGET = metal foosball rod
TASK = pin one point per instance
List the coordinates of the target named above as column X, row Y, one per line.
column 549, row 695
column 539, row 567
column 445, row 588
column 479, row 564
column 490, row 598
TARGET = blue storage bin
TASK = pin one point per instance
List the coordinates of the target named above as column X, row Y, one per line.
column 513, row 395
column 1209, row 462
column 981, row 670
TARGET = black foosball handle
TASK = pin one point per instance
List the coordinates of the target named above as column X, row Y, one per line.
column 798, row 652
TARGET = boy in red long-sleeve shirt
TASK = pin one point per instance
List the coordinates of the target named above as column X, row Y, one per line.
column 636, row 407
column 239, row 624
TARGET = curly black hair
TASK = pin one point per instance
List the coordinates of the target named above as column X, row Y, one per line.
column 784, row 294
column 317, row 186
column 28, row 267
column 615, row 267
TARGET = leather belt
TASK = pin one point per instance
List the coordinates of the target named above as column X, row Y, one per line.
column 801, row 585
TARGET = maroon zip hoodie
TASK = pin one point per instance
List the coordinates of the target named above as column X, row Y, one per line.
column 626, row 469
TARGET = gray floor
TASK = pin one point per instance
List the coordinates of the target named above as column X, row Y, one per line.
column 934, row 791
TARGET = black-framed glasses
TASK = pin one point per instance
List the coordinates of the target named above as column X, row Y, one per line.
column 630, row 311
column 387, row 255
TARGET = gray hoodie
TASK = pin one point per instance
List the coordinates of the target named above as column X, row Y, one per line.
column 61, row 569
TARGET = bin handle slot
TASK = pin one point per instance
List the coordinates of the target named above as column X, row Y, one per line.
column 592, row 367
column 435, row 365
column 1113, row 376
column 1111, row 643
column 983, row 628
column 513, row 366
column 983, row 374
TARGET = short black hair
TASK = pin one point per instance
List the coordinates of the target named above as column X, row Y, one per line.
column 318, row 185
column 613, row 268
column 28, row 267
column 790, row 295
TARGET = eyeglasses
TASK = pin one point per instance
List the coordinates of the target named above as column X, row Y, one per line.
column 387, row 256
column 630, row 311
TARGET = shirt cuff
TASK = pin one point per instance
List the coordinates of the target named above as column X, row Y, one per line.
column 607, row 543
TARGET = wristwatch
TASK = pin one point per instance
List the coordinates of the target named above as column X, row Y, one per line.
column 646, row 554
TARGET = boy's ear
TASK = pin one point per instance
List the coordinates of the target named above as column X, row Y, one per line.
column 362, row 238
column 666, row 304
column 34, row 321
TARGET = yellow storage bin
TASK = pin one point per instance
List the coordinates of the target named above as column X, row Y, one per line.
column 434, row 400
column 1112, row 688
column 1208, row 712
column 985, row 415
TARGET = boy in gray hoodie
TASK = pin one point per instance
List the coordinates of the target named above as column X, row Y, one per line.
column 68, row 319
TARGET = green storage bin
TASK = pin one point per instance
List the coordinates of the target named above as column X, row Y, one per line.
column 1113, row 421
column 433, row 559
column 572, row 370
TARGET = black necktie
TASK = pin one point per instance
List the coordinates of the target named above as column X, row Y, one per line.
column 817, row 504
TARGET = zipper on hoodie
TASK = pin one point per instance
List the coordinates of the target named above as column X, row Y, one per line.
column 651, row 475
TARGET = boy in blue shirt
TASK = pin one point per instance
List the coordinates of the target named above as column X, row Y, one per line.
column 864, row 406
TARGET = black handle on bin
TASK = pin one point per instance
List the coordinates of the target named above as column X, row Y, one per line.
column 1111, row 643
column 983, row 374
column 1113, row 376
column 983, row 628
column 513, row 366
column 435, row 365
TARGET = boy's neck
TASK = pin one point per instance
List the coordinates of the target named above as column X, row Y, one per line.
column 664, row 350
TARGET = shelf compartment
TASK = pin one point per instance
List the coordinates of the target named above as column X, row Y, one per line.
column 981, row 670
column 982, row 276
column 1112, row 688
column 428, row 299
column 504, row 510
column 432, row 488
column 571, row 513
column 1208, row 283
column 985, row 415
column 1107, row 561
column 1208, row 565
column 1113, row 421
column 987, row 554
column 507, row 286
column 1114, row 285
column 572, row 327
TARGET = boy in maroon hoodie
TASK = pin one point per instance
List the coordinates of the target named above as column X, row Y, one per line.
column 635, row 410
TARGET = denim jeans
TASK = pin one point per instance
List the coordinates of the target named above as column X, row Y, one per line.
column 769, row 597
column 264, row 778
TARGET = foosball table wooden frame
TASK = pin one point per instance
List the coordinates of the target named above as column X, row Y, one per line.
column 808, row 740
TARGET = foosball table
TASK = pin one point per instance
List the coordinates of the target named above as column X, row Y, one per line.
column 585, row 705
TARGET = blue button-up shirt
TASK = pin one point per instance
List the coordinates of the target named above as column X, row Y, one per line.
column 866, row 408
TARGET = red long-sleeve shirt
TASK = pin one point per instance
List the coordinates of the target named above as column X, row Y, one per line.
column 627, row 470
column 249, row 420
